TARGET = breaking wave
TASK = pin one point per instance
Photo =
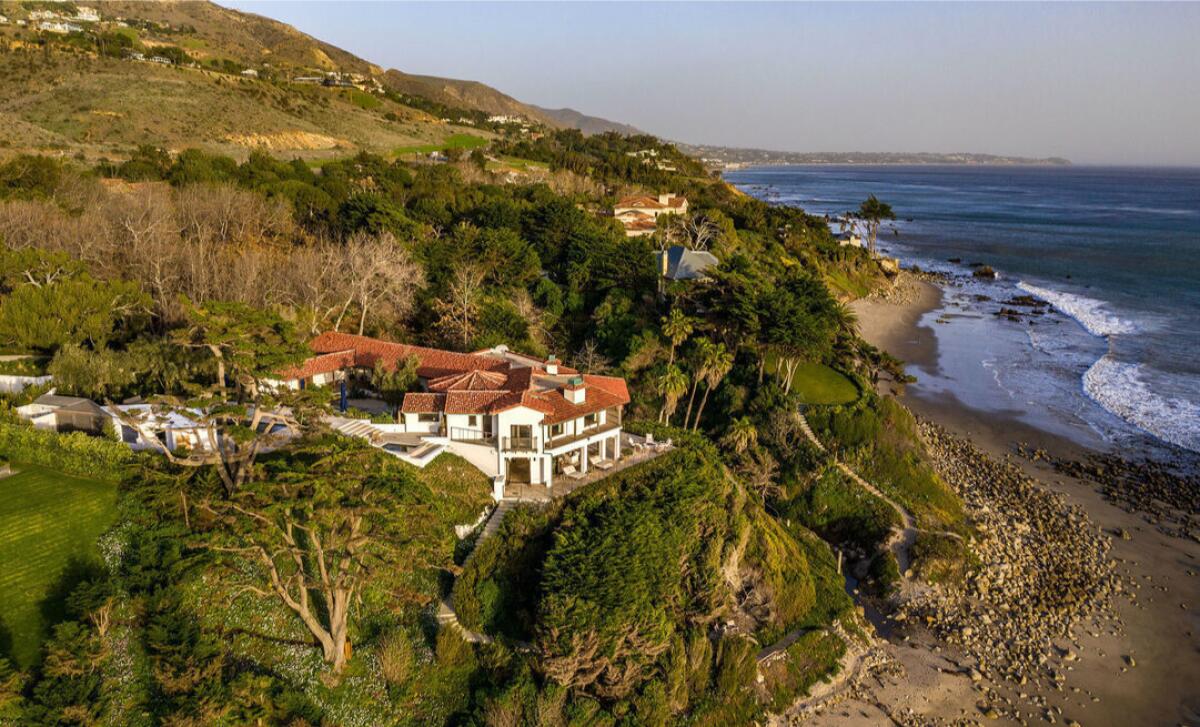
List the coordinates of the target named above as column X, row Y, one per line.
column 1122, row 389
column 1088, row 312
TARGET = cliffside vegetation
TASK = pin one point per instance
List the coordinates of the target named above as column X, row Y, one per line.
column 300, row 585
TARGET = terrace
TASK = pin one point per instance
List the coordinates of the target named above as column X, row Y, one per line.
column 634, row 450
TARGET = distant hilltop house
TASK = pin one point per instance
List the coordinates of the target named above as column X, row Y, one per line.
column 523, row 419
column 60, row 27
column 3, row 20
column 250, row 73
column 639, row 214
column 505, row 119
column 680, row 263
column 87, row 15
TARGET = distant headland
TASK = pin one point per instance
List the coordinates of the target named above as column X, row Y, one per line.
column 733, row 157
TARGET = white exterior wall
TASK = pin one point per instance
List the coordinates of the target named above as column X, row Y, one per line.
column 462, row 422
column 522, row 416
column 413, row 424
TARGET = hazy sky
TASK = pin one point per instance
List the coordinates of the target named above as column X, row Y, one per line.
column 1096, row 83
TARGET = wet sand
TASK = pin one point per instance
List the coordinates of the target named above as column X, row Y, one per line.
column 1160, row 625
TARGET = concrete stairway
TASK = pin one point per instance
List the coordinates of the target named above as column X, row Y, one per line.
column 356, row 428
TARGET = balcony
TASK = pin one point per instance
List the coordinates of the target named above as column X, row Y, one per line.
column 462, row 434
column 518, row 444
column 589, row 432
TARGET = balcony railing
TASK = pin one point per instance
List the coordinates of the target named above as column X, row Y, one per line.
column 462, row 434
column 519, row 444
column 589, row 432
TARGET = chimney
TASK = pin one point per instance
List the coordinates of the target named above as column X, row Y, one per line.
column 574, row 391
column 552, row 365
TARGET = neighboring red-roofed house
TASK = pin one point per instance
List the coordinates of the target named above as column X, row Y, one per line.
column 542, row 419
column 639, row 214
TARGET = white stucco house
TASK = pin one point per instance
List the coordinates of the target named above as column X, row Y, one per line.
column 639, row 214
column 539, row 419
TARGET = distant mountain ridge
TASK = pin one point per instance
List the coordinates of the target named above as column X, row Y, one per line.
column 588, row 124
column 735, row 156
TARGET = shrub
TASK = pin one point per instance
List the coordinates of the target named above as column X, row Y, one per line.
column 396, row 659
column 75, row 453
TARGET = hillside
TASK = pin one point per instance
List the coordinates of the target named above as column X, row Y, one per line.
column 183, row 74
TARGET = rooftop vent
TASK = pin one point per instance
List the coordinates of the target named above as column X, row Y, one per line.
column 552, row 365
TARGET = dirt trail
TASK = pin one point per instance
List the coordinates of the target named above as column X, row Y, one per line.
column 902, row 537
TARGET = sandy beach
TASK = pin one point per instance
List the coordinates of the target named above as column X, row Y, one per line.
column 1144, row 669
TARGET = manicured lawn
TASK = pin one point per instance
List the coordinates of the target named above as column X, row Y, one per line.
column 46, row 518
column 819, row 384
column 454, row 141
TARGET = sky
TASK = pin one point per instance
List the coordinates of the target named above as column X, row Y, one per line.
column 1107, row 83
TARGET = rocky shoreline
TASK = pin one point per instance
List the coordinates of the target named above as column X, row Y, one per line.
column 1162, row 494
column 1043, row 574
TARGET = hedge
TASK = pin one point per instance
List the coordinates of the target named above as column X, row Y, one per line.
column 75, row 453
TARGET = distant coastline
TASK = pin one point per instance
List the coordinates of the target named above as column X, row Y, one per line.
column 737, row 158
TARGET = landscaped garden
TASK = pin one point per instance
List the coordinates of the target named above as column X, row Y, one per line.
column 819, row 384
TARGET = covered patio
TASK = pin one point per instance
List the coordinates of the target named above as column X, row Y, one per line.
column 631, row 450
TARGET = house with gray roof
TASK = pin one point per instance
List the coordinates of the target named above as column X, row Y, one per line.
column 679, row 263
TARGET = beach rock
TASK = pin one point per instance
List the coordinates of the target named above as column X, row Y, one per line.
column 1044, row 572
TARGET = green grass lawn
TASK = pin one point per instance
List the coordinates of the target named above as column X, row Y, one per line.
column 46, row 518
column 819, row 384
column 454, row 141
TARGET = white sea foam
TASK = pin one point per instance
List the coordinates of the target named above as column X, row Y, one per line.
column 1089, row 312
column 1121, row 388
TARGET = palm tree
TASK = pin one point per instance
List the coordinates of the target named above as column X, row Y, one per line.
column 700, row 357
column 845, row 317
column 672, row 385
column 742, row 435
column 676, row 326
column 720, row 361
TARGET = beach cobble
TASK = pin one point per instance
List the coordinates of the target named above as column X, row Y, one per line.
column 1043, row 572
column 1165, row 495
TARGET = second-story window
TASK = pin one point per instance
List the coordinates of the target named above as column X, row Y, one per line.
column 472, row 421
column 590, row 420
column 427, row 418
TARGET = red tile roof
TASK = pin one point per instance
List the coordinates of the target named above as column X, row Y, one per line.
column 323, row 364
column 423, row 403
column 470, row 381
column 434, row 363
column 484, row 382
column 646, row 202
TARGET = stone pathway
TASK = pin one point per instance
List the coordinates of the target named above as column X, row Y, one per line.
column 445, row 613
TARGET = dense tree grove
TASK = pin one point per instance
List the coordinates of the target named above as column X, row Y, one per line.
column 266, row 584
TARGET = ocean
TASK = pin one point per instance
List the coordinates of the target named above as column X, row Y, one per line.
column 1115, row 252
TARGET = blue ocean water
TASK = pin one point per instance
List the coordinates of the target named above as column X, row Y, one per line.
column 1115, row 251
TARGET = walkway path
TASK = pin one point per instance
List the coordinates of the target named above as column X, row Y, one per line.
column 903, row 536
column 446, row 615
